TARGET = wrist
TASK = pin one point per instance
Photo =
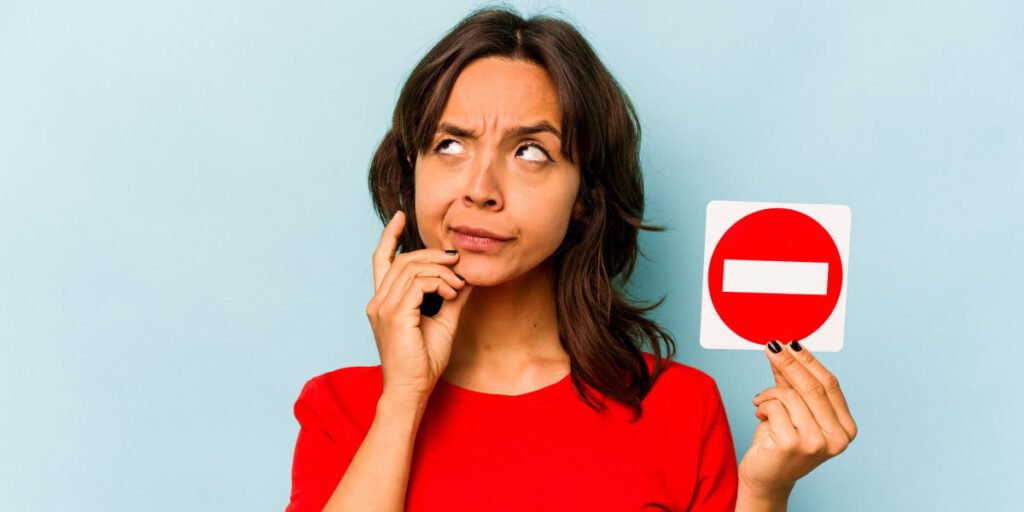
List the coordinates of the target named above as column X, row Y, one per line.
column 400, row 405
column 758, row 498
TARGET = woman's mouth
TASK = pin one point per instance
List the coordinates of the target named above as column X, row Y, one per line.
column 477, row 243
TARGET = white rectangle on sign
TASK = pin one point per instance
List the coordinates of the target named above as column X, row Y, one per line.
column 758, row 276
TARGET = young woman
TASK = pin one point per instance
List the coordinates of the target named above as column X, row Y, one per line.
column 512, row 181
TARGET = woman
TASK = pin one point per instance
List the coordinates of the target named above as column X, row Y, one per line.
column 512, row 182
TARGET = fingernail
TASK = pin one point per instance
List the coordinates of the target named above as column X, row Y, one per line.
column 796, row 346
column 774, row 346
column 451, row 251
column 460, row 277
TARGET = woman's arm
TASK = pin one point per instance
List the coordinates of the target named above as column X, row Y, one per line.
column 378, row 476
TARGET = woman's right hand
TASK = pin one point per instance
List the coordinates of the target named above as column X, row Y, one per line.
column 414, row 349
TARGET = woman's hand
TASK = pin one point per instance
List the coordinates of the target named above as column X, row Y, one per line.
column 804, row 422
column 414, row 349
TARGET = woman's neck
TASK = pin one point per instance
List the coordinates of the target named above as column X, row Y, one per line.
column 507, row 341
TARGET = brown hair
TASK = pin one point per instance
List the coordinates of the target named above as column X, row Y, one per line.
column 597, row 325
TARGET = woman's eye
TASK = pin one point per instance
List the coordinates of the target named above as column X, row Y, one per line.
column 536, row 153
column 531, row 152
column 446, row 148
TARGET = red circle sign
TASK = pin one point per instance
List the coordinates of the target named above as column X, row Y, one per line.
column 783, row 235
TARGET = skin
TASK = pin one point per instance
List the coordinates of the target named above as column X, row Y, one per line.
column 507, row 337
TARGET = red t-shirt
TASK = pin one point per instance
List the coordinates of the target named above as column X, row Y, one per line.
column 545, row 450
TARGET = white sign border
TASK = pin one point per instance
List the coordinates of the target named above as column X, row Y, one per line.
column 720, row 215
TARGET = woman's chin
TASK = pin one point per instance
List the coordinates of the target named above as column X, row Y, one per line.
column 478, row 274
column 479, row 278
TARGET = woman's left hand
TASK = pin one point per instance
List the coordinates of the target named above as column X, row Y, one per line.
column 804, row 422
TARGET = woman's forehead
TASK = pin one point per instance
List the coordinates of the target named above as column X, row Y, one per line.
column 494, row 91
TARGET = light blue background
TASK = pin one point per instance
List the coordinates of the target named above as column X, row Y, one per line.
column 185, row 227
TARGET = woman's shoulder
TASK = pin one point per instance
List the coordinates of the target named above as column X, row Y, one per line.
column 349, row 376
column 351, row 391
column 681, row 384
column 679, row 373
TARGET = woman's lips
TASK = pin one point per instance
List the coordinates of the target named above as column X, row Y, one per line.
column 476, row 243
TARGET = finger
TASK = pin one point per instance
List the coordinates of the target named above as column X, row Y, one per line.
column 451, row 309
column 811, row 435
column 781, row 427
column 831, row 383
column 421, row 269
column 780, row 379
column 813, row 393
column 384, row 255
column 402, row 282
column 426, row 262
column 408, row 294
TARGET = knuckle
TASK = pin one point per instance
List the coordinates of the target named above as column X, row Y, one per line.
column 775, row 406
column 421, row 269
column 831, row 382
column 814, row 445
column 451, row 273
column 386, row 304
column 838, row 437
column 787, row 360
column 815, row 387
column 836, row 447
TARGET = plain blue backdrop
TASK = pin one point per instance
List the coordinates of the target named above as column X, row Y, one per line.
column 186, row 231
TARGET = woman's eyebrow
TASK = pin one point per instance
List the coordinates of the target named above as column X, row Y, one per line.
column 515, row 131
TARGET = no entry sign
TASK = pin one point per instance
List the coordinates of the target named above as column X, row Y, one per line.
column 774, row 271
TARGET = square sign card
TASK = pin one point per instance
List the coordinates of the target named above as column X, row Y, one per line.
column 774, row 271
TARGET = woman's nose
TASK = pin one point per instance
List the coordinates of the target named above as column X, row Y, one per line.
column 483, row 184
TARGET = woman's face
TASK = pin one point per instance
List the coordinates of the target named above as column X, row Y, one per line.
column 495, row 164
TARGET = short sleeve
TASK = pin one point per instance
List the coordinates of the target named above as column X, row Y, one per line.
column 320, row 460
column 717, row 474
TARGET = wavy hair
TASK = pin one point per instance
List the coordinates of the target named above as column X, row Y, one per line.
column 599, row 327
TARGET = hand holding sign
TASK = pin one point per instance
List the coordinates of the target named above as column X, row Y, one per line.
column 804, row 422
column 776, row 270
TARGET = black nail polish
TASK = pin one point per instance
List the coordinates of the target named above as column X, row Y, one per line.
column 451, row 251
column 774, row 346
column 796, row 346
column 460, row 277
